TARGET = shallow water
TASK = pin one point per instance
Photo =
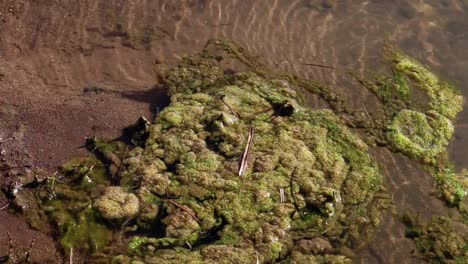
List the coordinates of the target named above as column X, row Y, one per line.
column 58, row 48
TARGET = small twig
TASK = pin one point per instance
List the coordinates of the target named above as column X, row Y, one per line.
column 183, row 208
column 245, row 156
column 263, row 111
column 125, row 223
column 282, row 197
column 120, row 165
column 90, row 169
column 320, row 65
column 230, row 108
column 71, row 256
column 52, row 187
column 8, row 167
column 367, row 113
column 10, row 245
column 28, row 253
column 5, row 206
column 188, row 245
column 167, row 185
column 6, row 140
column 292, row 193
column 247, row 239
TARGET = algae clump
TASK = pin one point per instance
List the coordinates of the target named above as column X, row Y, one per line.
column 438, row 241
column 420, row 130
column 306, row 175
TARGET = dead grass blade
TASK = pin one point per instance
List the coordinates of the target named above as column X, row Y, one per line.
column 230, row 108
column 282, row 196
column 245, row 156
column 5, row 206
column 183, row 208
column 320, row 65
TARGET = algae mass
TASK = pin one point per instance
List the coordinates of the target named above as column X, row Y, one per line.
column 237, row 170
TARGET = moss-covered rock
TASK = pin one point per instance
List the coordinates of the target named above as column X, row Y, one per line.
column 306, row 174
column 115, row 203
column 421, row 136
column 420, row 130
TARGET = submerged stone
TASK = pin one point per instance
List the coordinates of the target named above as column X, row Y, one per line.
column 115, row 203
column 306, row 174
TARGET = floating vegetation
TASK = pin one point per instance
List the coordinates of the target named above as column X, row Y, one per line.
column 437, row 241
column 421, row 132
column 236, row 170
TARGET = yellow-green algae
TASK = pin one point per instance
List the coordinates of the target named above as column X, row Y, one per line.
column 420, row 132
column 308, row 176
column 67, row 202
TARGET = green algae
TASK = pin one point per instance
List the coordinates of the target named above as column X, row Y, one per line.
column 420, row 136
column 438, row 241
column 443, row 98
column 69, row 205
column 419, row 132
column 64, row 201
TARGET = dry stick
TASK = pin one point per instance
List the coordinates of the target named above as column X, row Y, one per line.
column 263, row 111
column 121, row 162
column 8, row 167
column 320, row 65
column 3, row 207
column 282, row 197
column 245, row 156
column 71, row 256
column 125, row 223
column 230, row 108
column 183, row 208
column 366, row 112
column 167, row 185
column 28, row 254
column 10, row 244
column 6, row 140
column 292, row 193
column 188, row 245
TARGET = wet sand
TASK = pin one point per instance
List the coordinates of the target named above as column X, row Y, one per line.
column 54, row 54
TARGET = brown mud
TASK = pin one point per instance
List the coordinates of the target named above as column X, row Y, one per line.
column 71, row 69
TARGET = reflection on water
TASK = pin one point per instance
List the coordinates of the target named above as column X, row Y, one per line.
column 121, row 43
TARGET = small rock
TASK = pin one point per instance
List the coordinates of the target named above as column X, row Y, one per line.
column 317, row 245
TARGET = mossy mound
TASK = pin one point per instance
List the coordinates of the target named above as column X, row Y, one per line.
column 236, row 165
column 422, row 127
